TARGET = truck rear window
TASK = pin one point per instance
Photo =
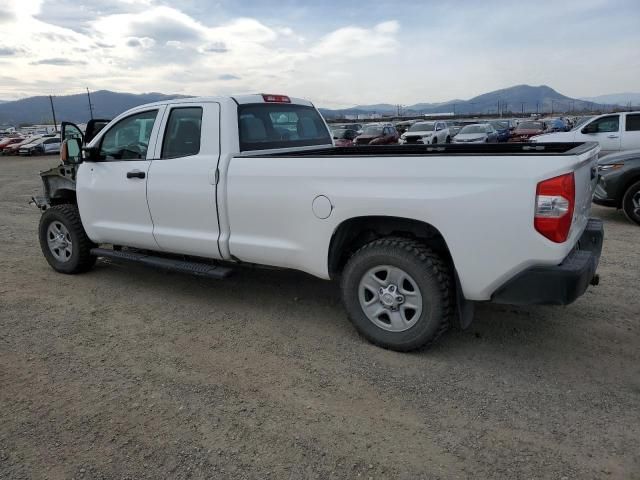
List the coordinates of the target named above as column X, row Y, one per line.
column 265, row 126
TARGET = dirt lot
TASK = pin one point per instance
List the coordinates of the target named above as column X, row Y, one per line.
column 135, row 373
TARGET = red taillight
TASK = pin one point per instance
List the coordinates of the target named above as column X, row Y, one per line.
column 275, row 98
column 555, row 200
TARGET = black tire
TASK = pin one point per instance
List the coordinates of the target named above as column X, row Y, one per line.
column 630, row 196
column 80, row 259
column 435, row 140
column 434, row 281
column 448, row 140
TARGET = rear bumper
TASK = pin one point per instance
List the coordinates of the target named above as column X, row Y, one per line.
column 557, row 284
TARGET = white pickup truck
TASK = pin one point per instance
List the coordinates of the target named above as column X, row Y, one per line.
column 613, row 131
column 416, row 234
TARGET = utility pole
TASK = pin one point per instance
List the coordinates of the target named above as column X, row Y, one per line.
column 53, row 111
column 90, row 106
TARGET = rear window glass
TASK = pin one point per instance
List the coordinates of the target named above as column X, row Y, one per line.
column 265, row 126
column 633, row 123
column 182, row 134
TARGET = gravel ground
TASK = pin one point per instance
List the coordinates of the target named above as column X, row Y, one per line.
column 126, row 372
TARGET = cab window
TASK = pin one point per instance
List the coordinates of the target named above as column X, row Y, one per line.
column 633, row 123
column 605, row 124
column 182, row 134
column 129, row 138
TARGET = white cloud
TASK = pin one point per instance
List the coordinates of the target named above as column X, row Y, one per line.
column 397, row 55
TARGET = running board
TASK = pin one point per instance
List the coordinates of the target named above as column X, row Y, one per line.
column 183, row 266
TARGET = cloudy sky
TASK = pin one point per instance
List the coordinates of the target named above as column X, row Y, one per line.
column 337, row 53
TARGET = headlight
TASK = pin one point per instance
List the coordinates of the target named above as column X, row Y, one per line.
column 611, row 166
column 426, row 135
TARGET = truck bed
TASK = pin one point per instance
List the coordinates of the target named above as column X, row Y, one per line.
column 480, row 149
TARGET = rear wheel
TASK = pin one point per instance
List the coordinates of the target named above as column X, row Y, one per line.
column 631, row 203
column 398, row 293
column 63, row 240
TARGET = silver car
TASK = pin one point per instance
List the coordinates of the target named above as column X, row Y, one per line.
column 477, row 133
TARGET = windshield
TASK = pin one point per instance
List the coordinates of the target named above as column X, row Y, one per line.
column 422, row 127
column 530, row 126
column 266, row 126
column 474, row 129
column 374, row 130
column 500, row 125
column 581, row 122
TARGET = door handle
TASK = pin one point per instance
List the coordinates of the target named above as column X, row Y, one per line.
column 135, row 174
column 612, row 136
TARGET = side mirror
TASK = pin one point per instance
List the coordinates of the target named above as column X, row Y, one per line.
column 70, row 151
column 91, row 154
column 591, row 128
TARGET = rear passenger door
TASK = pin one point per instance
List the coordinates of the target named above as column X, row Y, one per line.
column 181, row 189
column 631, row 135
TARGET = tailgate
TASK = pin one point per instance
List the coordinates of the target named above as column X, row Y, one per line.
column 586, row 178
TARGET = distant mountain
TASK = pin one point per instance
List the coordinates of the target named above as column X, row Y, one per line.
column 517, row 99
column 74, row 108
column 107, row 104
column 616, row 99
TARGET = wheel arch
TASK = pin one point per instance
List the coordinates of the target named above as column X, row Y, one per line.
column 355, row 232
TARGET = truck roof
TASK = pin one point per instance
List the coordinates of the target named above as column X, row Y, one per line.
column 238, row 99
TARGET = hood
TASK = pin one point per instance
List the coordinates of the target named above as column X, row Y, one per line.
column 556, row 137
column 418, row 134
column 470, row 136
column 619, row 157
column 527, row 131
column 366, row 137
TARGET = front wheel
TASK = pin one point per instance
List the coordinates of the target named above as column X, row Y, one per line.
column 398, row 293
column 63, row 240
column 631, row 203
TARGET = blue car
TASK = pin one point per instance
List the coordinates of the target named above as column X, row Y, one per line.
column 556, row 125
column 503, row 129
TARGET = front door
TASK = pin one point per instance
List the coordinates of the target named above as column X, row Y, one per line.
column 112, row 191
column 181, row 189
column 605, row 131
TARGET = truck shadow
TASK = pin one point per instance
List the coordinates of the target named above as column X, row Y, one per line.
column 310, row 305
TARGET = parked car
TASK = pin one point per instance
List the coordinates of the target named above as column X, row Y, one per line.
column 619, row 183
column 14, row 148
column 454, row 127
column 42, row 146
column 343, row 137
column 613, row 131
column 525, row 130
column 377, row 134
column 555, row 125
column 503, row 129
column 8, row 141
column 347, row 126
column 203, row 185
column 427, row 133
column 477, row 133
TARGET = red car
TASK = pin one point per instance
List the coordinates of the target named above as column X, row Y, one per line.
column 377, row 134
column 525, row 130
column 343, row 137
column 6, row 142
